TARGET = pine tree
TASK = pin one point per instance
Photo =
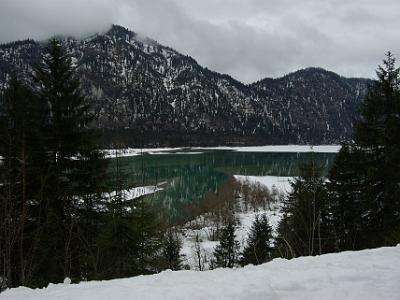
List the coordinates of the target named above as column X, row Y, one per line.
column 21, row 150
column 117, row 244
column 377, row 133
column 226, row 252
column 72, row 164
column 171, row 247
column 347, row 188
column 373, row 161
column 258, row 249
column 305, row 227
column 148, row 226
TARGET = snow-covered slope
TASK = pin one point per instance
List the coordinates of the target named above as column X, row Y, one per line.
column 363, row 275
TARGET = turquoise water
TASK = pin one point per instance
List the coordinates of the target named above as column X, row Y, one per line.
column 189, row 177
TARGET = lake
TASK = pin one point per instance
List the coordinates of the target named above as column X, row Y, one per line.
column 187, row 177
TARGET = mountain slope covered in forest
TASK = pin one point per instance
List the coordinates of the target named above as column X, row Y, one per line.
column 153, row 94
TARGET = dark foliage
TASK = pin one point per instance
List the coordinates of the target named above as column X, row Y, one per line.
column 54, row 221
column 259, row 247
column 226, row 252
column 364, row 189
column 305, row 228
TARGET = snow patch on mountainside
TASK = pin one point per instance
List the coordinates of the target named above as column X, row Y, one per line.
column 362, row 275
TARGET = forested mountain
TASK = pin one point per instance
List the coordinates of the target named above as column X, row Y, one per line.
column 147, row 93
column 312, row 105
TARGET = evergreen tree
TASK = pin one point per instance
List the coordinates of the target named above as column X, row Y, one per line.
column 258, row 249
column 348, row 186
column 72, row 166
column 148, row 226
column 171, row 247
column 21, row 151
column 305, row 227
column 373, row 161
column 226, row 253
column 117, row 244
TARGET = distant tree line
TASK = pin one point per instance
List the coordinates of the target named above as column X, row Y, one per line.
column 139, row 137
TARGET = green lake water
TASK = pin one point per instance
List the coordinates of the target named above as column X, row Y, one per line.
column 190, row 176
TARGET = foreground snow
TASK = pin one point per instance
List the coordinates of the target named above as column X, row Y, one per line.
column 363, row 275
column 111, row 153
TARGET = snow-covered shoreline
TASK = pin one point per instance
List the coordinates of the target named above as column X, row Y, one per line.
column 361, row 275
column 278, row 182
column 245, row 220
column 110, row 153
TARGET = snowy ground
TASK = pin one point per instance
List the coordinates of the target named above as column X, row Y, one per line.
column 110, row 153
column 364, row 275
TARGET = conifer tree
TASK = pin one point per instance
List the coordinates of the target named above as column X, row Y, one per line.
column 258, row 249
column 21, row 151
column 147, row 224
column 377, row 133
column 347, row 180
column 373, row 161
column 226, row 252
column 171, row 247
column 117, row 244
column 305, row 227
column 70, row 154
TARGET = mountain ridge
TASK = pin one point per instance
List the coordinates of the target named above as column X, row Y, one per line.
column 155, row 94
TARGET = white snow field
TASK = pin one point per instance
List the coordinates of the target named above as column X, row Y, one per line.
column 363, row 275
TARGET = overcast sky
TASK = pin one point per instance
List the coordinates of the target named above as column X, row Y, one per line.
column 248, row 39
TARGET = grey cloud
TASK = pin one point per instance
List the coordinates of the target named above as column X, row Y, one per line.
column 248, row 39
column 39, row 19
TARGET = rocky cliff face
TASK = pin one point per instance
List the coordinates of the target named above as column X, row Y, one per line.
column 138, row 85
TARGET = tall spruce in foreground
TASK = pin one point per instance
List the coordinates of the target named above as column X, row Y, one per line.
column 71, row 152
column 372, row 192
column 226, row 253
column 258, row 249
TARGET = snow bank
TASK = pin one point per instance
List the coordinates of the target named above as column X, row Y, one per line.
column 363, row 275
